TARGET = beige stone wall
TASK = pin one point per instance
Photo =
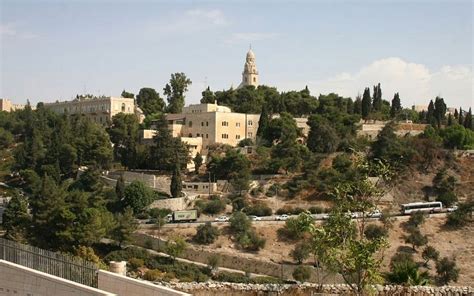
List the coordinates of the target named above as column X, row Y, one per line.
column 126, row 286
column 100, row 109
column 8, row 106
column 22, row 281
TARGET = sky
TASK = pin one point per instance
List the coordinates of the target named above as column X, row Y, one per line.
column 53, row 50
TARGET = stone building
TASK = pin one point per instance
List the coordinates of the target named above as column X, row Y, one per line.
column 8, row 106
column 250, row 73
column 98, row 109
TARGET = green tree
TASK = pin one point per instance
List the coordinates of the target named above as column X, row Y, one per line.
column 322, row 137
column 358, row 105
column 125, row 226
column 430, row 114
column 175, row 247
column 206, row 234
column 197, row 162
column 6, row 138
column 263, row 122
column 175, row 90
column 302, row 273
column 208, row 96
column 416, row 219
column 430, row 253
column 120, row 188
column 124, row 133
column 439, row 111
column 301, row 252
column 16, row 219
column 239, row 223
column 176, row 183
column 137, row 196
column 396, row 106
column 447, row 271
column 150, row 101
column 407, row 272
column 128, row 95
column 366, row 103
column 468, row 120
column 374, row 231
column 416, row 239
column 377, row 98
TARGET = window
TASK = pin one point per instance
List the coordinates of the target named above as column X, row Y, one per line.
column 207, row 123
column 237, row 124
column 254, row 79
column 250, row 135
column 237, row 137
column 250, row 122
column 190, row 124
column 225, row 123
column 123, row 107
column 207, row 136
column 198, row 135
column 190, row 135
column 202, row 123
column 225, row 136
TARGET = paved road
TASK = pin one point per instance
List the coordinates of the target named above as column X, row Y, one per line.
column 268, row 220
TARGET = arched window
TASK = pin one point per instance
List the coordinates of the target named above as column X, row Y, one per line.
column 123, row 107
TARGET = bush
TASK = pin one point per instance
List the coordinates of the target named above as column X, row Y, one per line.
column 175, row 247
column 213, row 207
column 290, row 211
column 462, row 216
column 231, row 277
column 153, row 275
column 157, row 213
column 316, row 210
column 407, row 272
column 302, row 273
column 258, row 209
column 401, row 257
column 447, row 271
column 272, row 190
column 448, row 198
column 301, row 252
column 250, row 241
column 185, row 272
column 135, row 263
column 374, row 231
column 206, row 234
column 239, row 223
column 214, row 261
column 416, row 219
column 430, row 253
column 127, row 254
column 416, row 239
column 295, row 228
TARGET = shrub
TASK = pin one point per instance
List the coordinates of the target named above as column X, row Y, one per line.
column 135, row 263
column 214, row 261
column 316, row 210
column 430, row 253
column 159, row 213
column 462, row 216
column 250, row 241
column 448, row 198
column 239, row 223
column 206, row 234
column 214, row 207
column 407, row 272
column 231, row 277
column 302, row 273
column 258, row 209
column 301, row 252
column 416, row 239
column 374, row 231
column 400, row 257
column 272, row 190
column 153, row 275
column 182, row 271
column 416, row 219
column 127, row 254
column 175, row 247
column 447, row 271
column 295, row 228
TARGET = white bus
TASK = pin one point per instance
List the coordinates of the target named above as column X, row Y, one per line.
column 430, row 207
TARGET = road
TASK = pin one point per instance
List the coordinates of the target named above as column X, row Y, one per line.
column 267, row 220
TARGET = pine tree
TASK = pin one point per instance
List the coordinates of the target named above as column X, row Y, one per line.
column 396, row 106
column 468, row 119
column 208, row 96
column 126, row 225
column 176, row 183
column 16, row 219
column 366, row 103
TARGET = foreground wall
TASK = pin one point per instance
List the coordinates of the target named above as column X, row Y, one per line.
column 125, row 286
column 232, row 289
column 23, row 281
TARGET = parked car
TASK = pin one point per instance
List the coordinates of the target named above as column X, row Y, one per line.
column 222, row 219
column 282, row 217
column 255, row 218
column 375, row 214
column 452, row 209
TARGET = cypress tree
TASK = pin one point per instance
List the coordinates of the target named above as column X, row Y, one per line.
column 468, row 120
column 176, row 183
column 396, row 106
column 456, row 114
column 358, row 105
column 460, row 118
column 366, row 103
column 430, row 118
column 439, row 111
column 263, row 122
column 120, row 188
column 377, row 101
column 450, row 119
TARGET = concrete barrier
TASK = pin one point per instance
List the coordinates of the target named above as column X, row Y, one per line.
column 126, row 286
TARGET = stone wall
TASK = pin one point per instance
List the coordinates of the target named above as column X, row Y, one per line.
column 174, row 204
column 231, row 289
column 126, row 286
column 22, row 281
column 238, row 262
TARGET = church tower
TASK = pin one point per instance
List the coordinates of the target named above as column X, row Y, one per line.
column 250, row 73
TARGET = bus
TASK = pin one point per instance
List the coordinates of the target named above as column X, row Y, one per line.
column 431, row 207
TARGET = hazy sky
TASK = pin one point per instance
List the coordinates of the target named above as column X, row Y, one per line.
column 56, row 49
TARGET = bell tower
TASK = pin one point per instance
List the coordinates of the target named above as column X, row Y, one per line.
column 250, row 73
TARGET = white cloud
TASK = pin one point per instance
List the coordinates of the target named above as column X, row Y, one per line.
column 11, row 30
column 190, row 21
column 249, row 37
column 416, row 83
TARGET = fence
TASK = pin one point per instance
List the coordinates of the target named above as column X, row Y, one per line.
column 61, row 265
